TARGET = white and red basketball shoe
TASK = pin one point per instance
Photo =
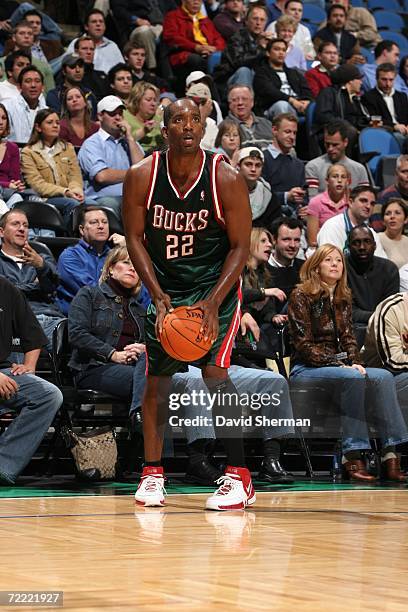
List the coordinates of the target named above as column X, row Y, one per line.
column 151, row 491
column 235, row 491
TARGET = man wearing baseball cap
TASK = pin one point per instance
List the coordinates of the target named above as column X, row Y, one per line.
column 265, row 206
column 198, row 76
column 107, row 155
column 201, row 94
column 72, row 70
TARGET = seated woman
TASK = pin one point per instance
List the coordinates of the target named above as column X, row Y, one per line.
column 143, row 116
column 229, row 140
column 286, row 27
column 329, row 203
column 10, row 175
column 260, row 311
column 394, row 214
column 76, row 123
column 50, row 166
column 106, row 331
column 325, row 351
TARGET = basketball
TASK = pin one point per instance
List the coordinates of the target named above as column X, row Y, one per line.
column 181, row 337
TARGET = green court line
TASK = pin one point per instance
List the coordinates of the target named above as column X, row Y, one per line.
column 73, row 488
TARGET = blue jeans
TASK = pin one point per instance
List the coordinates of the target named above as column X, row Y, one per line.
column 37, row 402
column 127, row 382
column 48, row 324
column 351, row 388
column 65, row 206
column 248, row 381
column 280, row 107
column 242, row 76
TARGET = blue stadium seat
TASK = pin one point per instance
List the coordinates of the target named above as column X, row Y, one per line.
column 313, row 14
column 369, row 55
column 399, row 39
column 312, row 27
column 386, row 20
column 383, row 5
column 377, row 139
column 359, row 4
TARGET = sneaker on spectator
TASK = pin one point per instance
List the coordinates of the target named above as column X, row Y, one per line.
column 235, row 491
column 151, row 491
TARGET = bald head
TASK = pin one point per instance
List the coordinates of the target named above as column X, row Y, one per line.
column 178, row 105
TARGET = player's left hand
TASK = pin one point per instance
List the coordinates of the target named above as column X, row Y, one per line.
column 210, row 324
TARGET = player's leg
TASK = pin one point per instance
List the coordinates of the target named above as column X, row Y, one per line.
column 235, row 491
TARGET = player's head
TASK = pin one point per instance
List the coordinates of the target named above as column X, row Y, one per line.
column 183, row 127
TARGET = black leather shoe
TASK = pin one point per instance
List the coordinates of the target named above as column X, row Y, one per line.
column 272, row 471
column 202, row 472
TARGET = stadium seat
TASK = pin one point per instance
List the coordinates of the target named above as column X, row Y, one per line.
column 381, row 142
column 313, row 14
column 381, row 5
column 386, row 20
column 399, row 39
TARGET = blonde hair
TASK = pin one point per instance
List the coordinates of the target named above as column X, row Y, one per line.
column 119, row 253
column 312, row 284
column 286, row 21
column 136, row 94
column 342, row 166
column 252, row 277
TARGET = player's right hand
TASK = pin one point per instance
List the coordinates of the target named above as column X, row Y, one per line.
column 163, row 306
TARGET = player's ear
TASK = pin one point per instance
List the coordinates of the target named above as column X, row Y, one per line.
column 164, row 132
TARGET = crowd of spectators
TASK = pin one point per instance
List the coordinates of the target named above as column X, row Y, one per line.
column 284, row 103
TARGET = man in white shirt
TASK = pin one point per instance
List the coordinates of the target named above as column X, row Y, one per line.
column 23, row 108
column 302, row 37
column 13, row 65
column 107, row 53
column 335, row 230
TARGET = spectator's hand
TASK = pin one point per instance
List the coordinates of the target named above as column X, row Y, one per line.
column 6, row 25
column 117, row 240
column 358, row 367
column 263, row 38
column 126, row 129
column 297, row 104
column 279, row 319
column 205, row 50
column 19, row 368
column 276, row 292
column 76, row 194
column 8, row 386
column 248, row 323
column 31, row 257
column 134, row 351
column 296, row 195
column 142, row 22
column 302, row 212
column 304, row 104
column 19, row 185
column 120, row 357
column 205, row 109
column 401, row 128
column 356, row 58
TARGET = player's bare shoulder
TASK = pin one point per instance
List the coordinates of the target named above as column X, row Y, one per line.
column 137, row 180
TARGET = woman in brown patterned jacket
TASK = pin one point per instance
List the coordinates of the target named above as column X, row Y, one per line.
column 325, row 351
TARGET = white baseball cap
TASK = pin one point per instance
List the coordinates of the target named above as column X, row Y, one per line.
column 250, row 152
column 109, row 103
column 196, row 75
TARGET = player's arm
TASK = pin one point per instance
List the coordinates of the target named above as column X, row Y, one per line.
column 135, row 190
column 233, row 194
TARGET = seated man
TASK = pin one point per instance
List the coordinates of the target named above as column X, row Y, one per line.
column 95, row 80
column 335, row 143
column 257, row 130
column 386, row 52
column 135, row 56
column 361, row 23
column 23, row 108
column 371, row 279
column 284, row 172
column 399, row 189
column 36, row 400
column 230, row 19
column 34, row 274
column 13, row 65
column 335, row 32
column 335, row 230
column 319, row 76
column 385, row 102
column 264, row 204
column 284, row 261
column 385, row 344
column 44, row 49
column 72, row 75
column 302, row 38
column 106, row 156
column 280, row 89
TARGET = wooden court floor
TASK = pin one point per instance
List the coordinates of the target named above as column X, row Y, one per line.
column 343, row 550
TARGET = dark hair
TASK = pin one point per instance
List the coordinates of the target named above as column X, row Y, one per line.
column 361, row 189
column 387, row 67
column 333, row 127
column 360, row 226
column 81, row 212
column 118, row 68
column 39, row 118
column 133, row 44
column 324, row 44
column 29, row 68
column 402, row 67
column 334, row 7
column 33, row 12
column 384, row 45
column 7, row 130
column 22, row 24
column 170, row 108
column 252, row 7
column 11, row 58
column 290, row 1
column 290, row 222
column 80, row 39
column 93, row 11
column 271, row 42
column 3, row 219
column 223, row 127
column 398, row 201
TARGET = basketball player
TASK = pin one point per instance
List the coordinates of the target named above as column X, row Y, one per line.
column 187, row 222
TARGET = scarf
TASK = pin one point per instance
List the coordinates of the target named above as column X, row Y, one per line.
column 197, row 33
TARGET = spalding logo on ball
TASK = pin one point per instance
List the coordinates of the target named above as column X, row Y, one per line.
column 181, row 337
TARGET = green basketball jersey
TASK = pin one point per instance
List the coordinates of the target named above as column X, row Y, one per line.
column 185, row 234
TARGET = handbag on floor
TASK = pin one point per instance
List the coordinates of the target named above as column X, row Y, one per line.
column 95, row 452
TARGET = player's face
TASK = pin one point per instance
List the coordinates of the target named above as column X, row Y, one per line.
column 95, row 227
column 124, row 273
column 185, row 128
column 15, row 232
